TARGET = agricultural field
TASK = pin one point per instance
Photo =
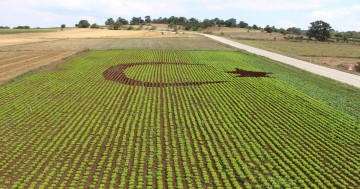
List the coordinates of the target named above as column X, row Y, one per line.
column 334, row 55
column 17, row 31
column 22, row 53
column 243, row 33
column 172, row 119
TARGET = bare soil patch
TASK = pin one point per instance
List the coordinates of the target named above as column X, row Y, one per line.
column 246, row 73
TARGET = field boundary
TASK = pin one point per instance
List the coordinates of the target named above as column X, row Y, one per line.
column 343, row 77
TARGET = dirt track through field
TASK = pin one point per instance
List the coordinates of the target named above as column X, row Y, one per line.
column 343, row 77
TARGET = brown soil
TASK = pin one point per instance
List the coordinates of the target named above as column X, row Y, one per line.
column 117, row 74
column 245, row 73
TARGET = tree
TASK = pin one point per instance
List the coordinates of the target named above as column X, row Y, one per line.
column 22, row 27
column 231, row 22
column 221, row 23
column 243, row 24
column 136, row 20
column 182, row 20
column 283, row 31
column 255, row 27
column 214, row 21
column 206, row 23
column 147, row 19
column 63, row 26
column 122, row 21
column 268, row 29
column 319, row 30
column 83, row 24
column 294, row 30
column 109, row 22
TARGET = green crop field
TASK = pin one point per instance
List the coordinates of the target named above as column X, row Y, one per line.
column 172, row 119
column 17, row 31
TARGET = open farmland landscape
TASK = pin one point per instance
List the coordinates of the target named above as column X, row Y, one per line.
column 333, row 55
column 171, row 119
column 22, row 53
column 130, row 94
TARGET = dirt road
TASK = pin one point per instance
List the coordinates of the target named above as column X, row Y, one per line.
column 343, row 77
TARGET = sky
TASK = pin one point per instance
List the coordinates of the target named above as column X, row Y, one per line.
column 342, row 15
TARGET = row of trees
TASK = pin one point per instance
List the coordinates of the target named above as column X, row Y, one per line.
column 188, row 24
column 319, row 30
column 17, row 27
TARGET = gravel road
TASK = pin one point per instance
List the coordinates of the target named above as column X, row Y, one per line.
column 343, row 77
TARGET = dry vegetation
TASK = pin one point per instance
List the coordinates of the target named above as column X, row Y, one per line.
column 20, row 53
column 242, row 33
column 334, row 55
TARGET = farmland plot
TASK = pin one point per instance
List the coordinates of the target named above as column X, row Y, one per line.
column 171, row 119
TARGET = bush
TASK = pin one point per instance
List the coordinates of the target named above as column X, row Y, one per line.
column 95, row 26
column 357, row 67
column 130, row 28
column 140, row 27
column 83, row 24
column 153, row 28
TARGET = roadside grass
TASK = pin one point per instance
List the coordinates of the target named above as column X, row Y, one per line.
column 17, row 31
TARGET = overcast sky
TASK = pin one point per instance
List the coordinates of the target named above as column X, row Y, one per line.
column 343, row 15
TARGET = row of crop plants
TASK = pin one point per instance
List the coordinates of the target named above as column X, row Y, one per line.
column 75, row 129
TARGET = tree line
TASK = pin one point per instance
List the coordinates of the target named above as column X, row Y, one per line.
column 17, row 27
column 318, row 30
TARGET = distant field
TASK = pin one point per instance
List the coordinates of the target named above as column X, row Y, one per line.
column 17, row 31
column 335, row 55
column 241, row 33
column 19, row 59
column 28, row 51
column 172, row 119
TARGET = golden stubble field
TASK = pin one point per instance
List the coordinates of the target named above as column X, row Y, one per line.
column 21, row 53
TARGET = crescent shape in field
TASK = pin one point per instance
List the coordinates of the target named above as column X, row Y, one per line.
column 117, row 74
